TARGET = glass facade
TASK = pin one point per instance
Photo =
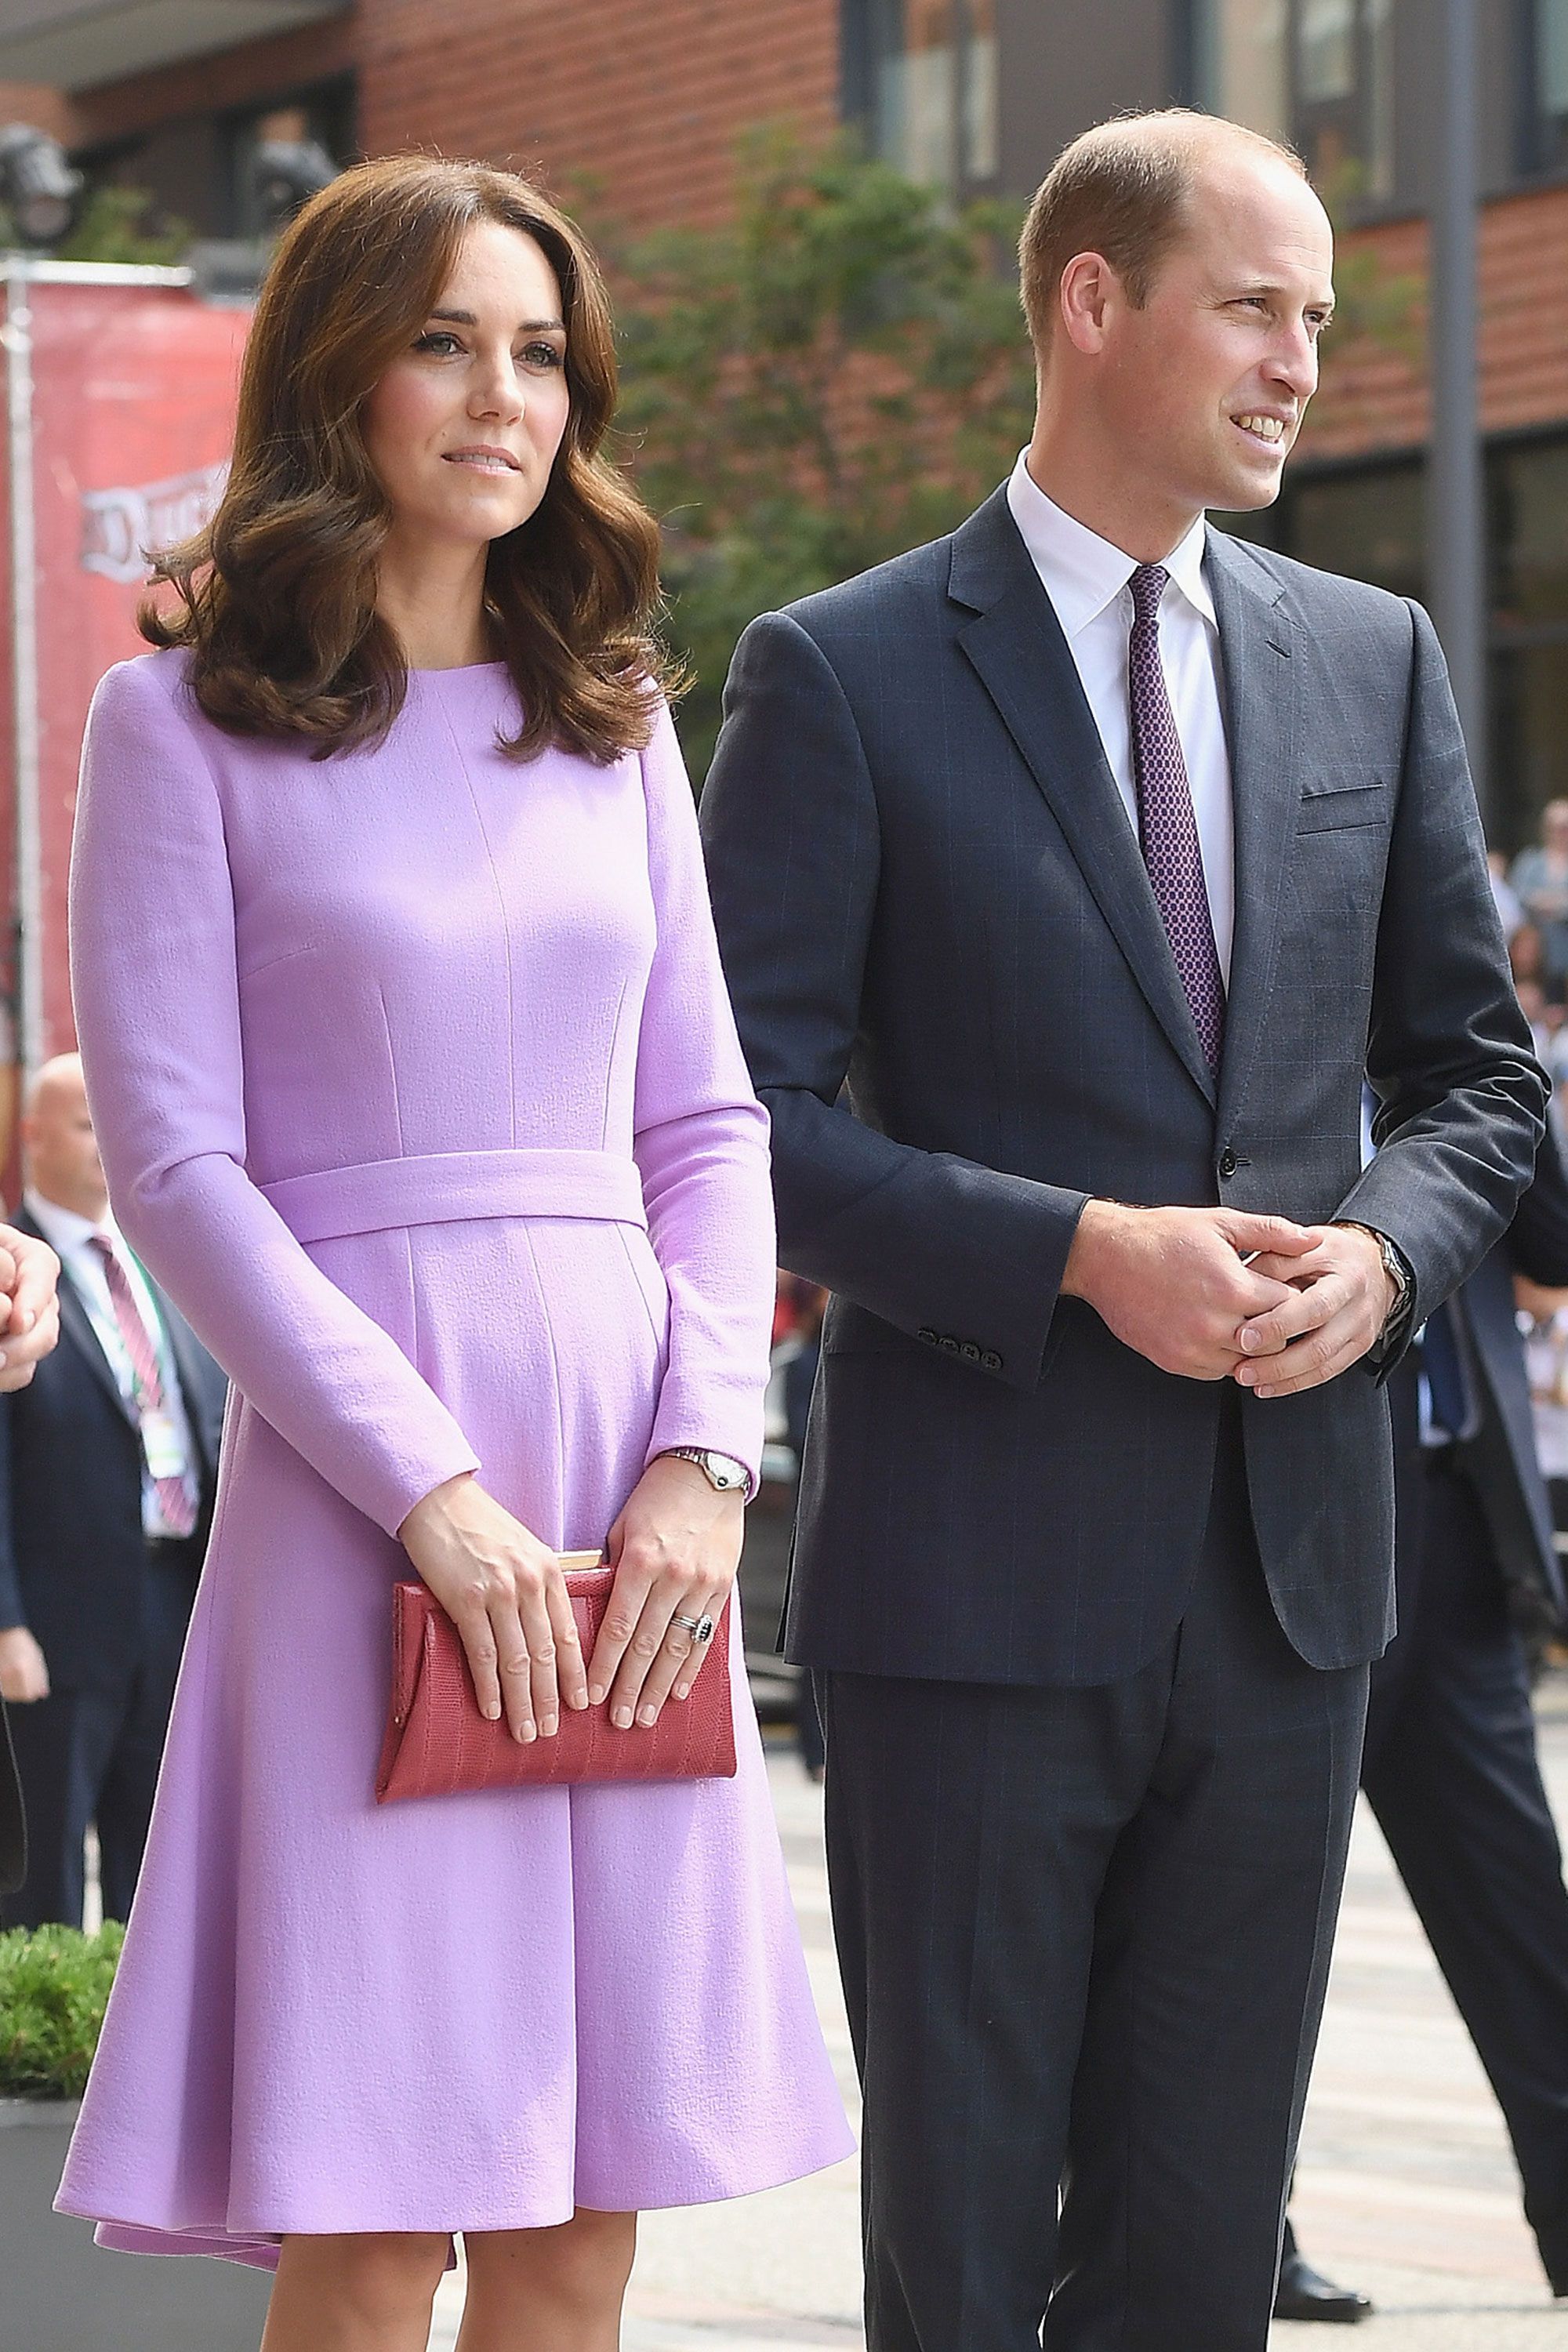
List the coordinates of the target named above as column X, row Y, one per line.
column 196, row 168
column 921, row 76
column 1527, row 489
column 1316, row 72
column 324, row 115
column 1546, row 69
column 1241, row 62
column 1369, row 521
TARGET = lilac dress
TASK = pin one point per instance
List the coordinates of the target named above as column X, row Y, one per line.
column 417, row 1089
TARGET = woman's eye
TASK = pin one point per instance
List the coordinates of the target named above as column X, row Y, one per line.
column 438, row 340
column 543, row 355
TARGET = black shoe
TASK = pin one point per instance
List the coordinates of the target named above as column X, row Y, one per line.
column 1304, row 2293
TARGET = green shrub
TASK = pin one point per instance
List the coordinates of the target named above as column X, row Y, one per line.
column 54, row 1986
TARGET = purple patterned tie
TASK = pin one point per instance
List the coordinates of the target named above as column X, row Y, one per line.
column 1166, row 826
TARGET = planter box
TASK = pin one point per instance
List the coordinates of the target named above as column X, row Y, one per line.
column 59, row 2292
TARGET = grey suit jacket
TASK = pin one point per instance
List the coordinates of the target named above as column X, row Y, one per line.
column 961, row 1012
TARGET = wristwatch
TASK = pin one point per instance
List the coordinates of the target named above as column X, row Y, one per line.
column 722, row 1472
column 1397, row 1267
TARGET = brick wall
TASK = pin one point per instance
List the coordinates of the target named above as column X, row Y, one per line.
column 633, row 111
column 26, row 101
column 1374, row 395
column 234, row 78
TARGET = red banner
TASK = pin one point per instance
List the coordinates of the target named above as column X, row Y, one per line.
column 131, row 417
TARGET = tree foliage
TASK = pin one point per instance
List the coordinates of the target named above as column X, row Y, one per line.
column 836, row 374
column 113, row 226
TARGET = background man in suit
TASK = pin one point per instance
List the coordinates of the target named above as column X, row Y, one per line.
column 1451, row 1769
column 107, row 1463
column 29, row 1326
column 1099, row 856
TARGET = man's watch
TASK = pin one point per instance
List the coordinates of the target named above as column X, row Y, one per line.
column 1395, row 1266
column 722, row 1472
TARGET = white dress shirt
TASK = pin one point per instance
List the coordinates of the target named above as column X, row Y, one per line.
column 72, row 1239
column 1086, row 579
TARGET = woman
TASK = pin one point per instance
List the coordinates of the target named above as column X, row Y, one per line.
column 417, row 1086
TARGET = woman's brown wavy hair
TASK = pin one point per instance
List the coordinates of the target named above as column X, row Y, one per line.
column 277, row 595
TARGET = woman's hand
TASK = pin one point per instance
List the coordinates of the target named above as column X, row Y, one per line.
column 24, row 1675
column 675, row 1550
column 504, row 1592
column 29, row 1304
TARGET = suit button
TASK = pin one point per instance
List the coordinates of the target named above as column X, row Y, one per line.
column 948, row 1344
column 990, row 1361
column 927, row 1334
column 970, row 1352
column 1228, row 1163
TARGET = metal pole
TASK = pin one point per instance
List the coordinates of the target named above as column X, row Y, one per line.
column 1456, row 530
column 19, row 340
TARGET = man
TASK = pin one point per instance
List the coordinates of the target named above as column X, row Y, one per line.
column 107, row 1463
column 1451, row 1769
column 30, row 1325
column 1099, row 855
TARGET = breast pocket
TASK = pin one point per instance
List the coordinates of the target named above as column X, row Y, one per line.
column 1343, row 807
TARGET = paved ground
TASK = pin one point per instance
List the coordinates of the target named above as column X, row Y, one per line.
column 1407, row 2184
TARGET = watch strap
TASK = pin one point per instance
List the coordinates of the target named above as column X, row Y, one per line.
column 723, row 1472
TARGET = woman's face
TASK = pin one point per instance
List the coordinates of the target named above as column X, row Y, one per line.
column 463, row 428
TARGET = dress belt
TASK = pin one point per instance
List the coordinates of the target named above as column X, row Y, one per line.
column 440, row 1188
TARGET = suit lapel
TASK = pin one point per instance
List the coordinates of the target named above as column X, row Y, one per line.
column 1261, row 691
column 1022, row 658
column 76, row 1324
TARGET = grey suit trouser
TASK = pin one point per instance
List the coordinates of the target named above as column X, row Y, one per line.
column 1085, row 1938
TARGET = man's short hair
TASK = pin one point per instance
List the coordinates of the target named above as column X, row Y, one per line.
column 1119, row 190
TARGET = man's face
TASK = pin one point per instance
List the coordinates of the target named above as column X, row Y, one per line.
column 1208, row 383
column 62, row 1149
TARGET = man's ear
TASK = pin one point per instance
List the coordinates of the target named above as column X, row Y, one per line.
column 1089, row 288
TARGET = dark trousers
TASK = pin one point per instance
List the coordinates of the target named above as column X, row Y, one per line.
column 88, row 1757
column 1452, row 1774
column 1085, row 1938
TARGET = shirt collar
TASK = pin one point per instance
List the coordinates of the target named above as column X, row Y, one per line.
column 63, row 1231
column 1083, row 572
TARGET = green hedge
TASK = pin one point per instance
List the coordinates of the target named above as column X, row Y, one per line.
column 54, row 1986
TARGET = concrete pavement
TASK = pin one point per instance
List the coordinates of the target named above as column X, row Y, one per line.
column 1406, row 2185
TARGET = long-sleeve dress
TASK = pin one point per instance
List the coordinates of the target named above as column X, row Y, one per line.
column 417, row 1087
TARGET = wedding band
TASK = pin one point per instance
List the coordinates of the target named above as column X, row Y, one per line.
column 699, row 1628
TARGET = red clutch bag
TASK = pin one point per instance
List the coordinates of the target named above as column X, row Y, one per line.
column 437, row 1743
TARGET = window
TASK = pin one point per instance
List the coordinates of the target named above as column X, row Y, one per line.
column 195, row 168
column 324, row 113
column 1325, row 50
column 921, row 76
column 1546, row 84
column 1369, row 522
column 1527, row 499
column 1316, row 72
column 1241, row 66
